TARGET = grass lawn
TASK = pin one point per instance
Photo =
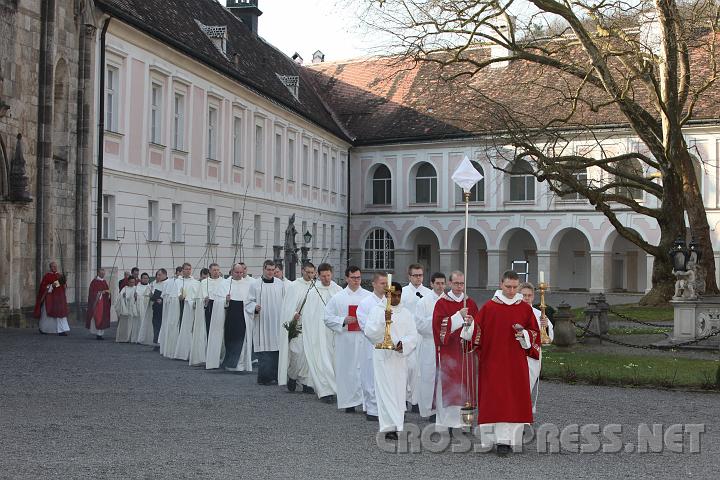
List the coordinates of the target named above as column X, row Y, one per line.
column 630, row 370
column 646, row 314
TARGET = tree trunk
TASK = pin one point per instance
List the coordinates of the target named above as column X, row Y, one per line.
column 697, row 217
column 671, row 225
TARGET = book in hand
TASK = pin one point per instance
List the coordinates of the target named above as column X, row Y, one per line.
column 352, row 312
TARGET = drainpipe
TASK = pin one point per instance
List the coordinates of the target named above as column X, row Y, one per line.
column 347, row 229
column 44, row 132
column 101, row 147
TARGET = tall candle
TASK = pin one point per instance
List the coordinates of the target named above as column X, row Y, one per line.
column 389, row 280
column 542, row 276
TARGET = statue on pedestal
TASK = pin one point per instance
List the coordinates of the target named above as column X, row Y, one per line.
column 685, row 268
column 290, row 249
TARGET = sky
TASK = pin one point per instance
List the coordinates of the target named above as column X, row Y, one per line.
column 305, row 26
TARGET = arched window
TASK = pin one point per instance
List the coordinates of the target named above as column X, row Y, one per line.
column 522, row 182
column 629, row 168
column 382, row 186
column 60, row 113
column 477, row 192
column 426, row 184
column 379, row 250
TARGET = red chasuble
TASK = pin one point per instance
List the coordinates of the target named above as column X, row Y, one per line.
column 450, row 349
column 55, row 301
column 503, row 393
column 99, row 305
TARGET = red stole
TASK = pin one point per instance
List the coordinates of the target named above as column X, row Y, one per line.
column 98, row 305
column 55, row 301
column 503, row 392
column 450, row 350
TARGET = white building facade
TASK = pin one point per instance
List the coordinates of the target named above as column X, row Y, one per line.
column 200, row 167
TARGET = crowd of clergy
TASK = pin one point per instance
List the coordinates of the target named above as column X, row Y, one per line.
column 313, row 336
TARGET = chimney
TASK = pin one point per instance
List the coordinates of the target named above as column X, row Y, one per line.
column 247, row 11
column 318, row 57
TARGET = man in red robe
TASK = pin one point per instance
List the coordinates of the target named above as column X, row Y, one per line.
column 98, row 314
column 451, row 313
column 51, row 306
column 504, row 334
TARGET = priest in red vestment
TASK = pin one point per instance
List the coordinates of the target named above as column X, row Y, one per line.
column 98, row 314
column 449, row 317
column 51, row 306
column 504, row 334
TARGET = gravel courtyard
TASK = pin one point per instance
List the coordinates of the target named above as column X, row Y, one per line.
column 75, row 408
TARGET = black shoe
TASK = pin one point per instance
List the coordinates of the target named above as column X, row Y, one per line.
column 415, row 409
column 291, row 384
column 432, row 418
column 327, row 399
column 503, row 450
column 350, row 410
column 371, row 418
column 391, row 436
column 41, row 332
column 99, row 337
column 63, row 334
column 156, row 348
column 307, row 389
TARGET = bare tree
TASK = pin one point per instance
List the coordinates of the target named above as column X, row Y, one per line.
column 578, row 72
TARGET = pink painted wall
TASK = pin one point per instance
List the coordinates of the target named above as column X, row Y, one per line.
column 137, row 112
column 197, row 157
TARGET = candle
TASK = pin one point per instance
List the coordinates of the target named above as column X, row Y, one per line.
column 542, row 276
column 389, row 280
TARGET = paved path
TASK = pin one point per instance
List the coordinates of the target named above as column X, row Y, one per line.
column 78, row 408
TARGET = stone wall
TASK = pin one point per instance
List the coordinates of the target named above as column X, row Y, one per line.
column 48, row 124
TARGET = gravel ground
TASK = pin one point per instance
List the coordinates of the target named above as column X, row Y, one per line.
column 77, row 408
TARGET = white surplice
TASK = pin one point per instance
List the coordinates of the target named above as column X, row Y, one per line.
column 349, row 346
column 390, row 366
column 170, row 329
column 239, row 290
column 367, row 376
column 411, row 295
column 425, row 354
column 144, row 293
column 147, row 332
column 127, row 307
column 267, row 324
column 198, row 348
column 292, row 362
column 534, row 366
column 189, row 290
column 318, row 341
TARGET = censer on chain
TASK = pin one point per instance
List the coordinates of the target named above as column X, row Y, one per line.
column 387, row 343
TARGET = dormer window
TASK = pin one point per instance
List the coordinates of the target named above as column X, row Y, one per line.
column 292, row 82
column 217, row 34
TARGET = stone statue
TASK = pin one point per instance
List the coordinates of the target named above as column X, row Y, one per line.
column 18, row 179
column 686, row 278
column 290, row 249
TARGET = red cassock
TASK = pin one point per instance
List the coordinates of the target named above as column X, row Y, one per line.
column 55, row 301
column 503, row 393
column 99, row 305
column 450, row 350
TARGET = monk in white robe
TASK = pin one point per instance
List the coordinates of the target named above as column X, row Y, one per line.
column 144, row 290
column 238, row 287
column 425, row 371
column 127, row 307
column 319, row 342
column 203, row 314
column 411, row 295
column 189, row 299
column 367, row 377
column 292, row 362
column 341, row 318
column 390, row 366
column 264, row 305
column 527, row 290
column 170, row 329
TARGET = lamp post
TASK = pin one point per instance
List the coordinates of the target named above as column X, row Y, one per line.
column 307, row 238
